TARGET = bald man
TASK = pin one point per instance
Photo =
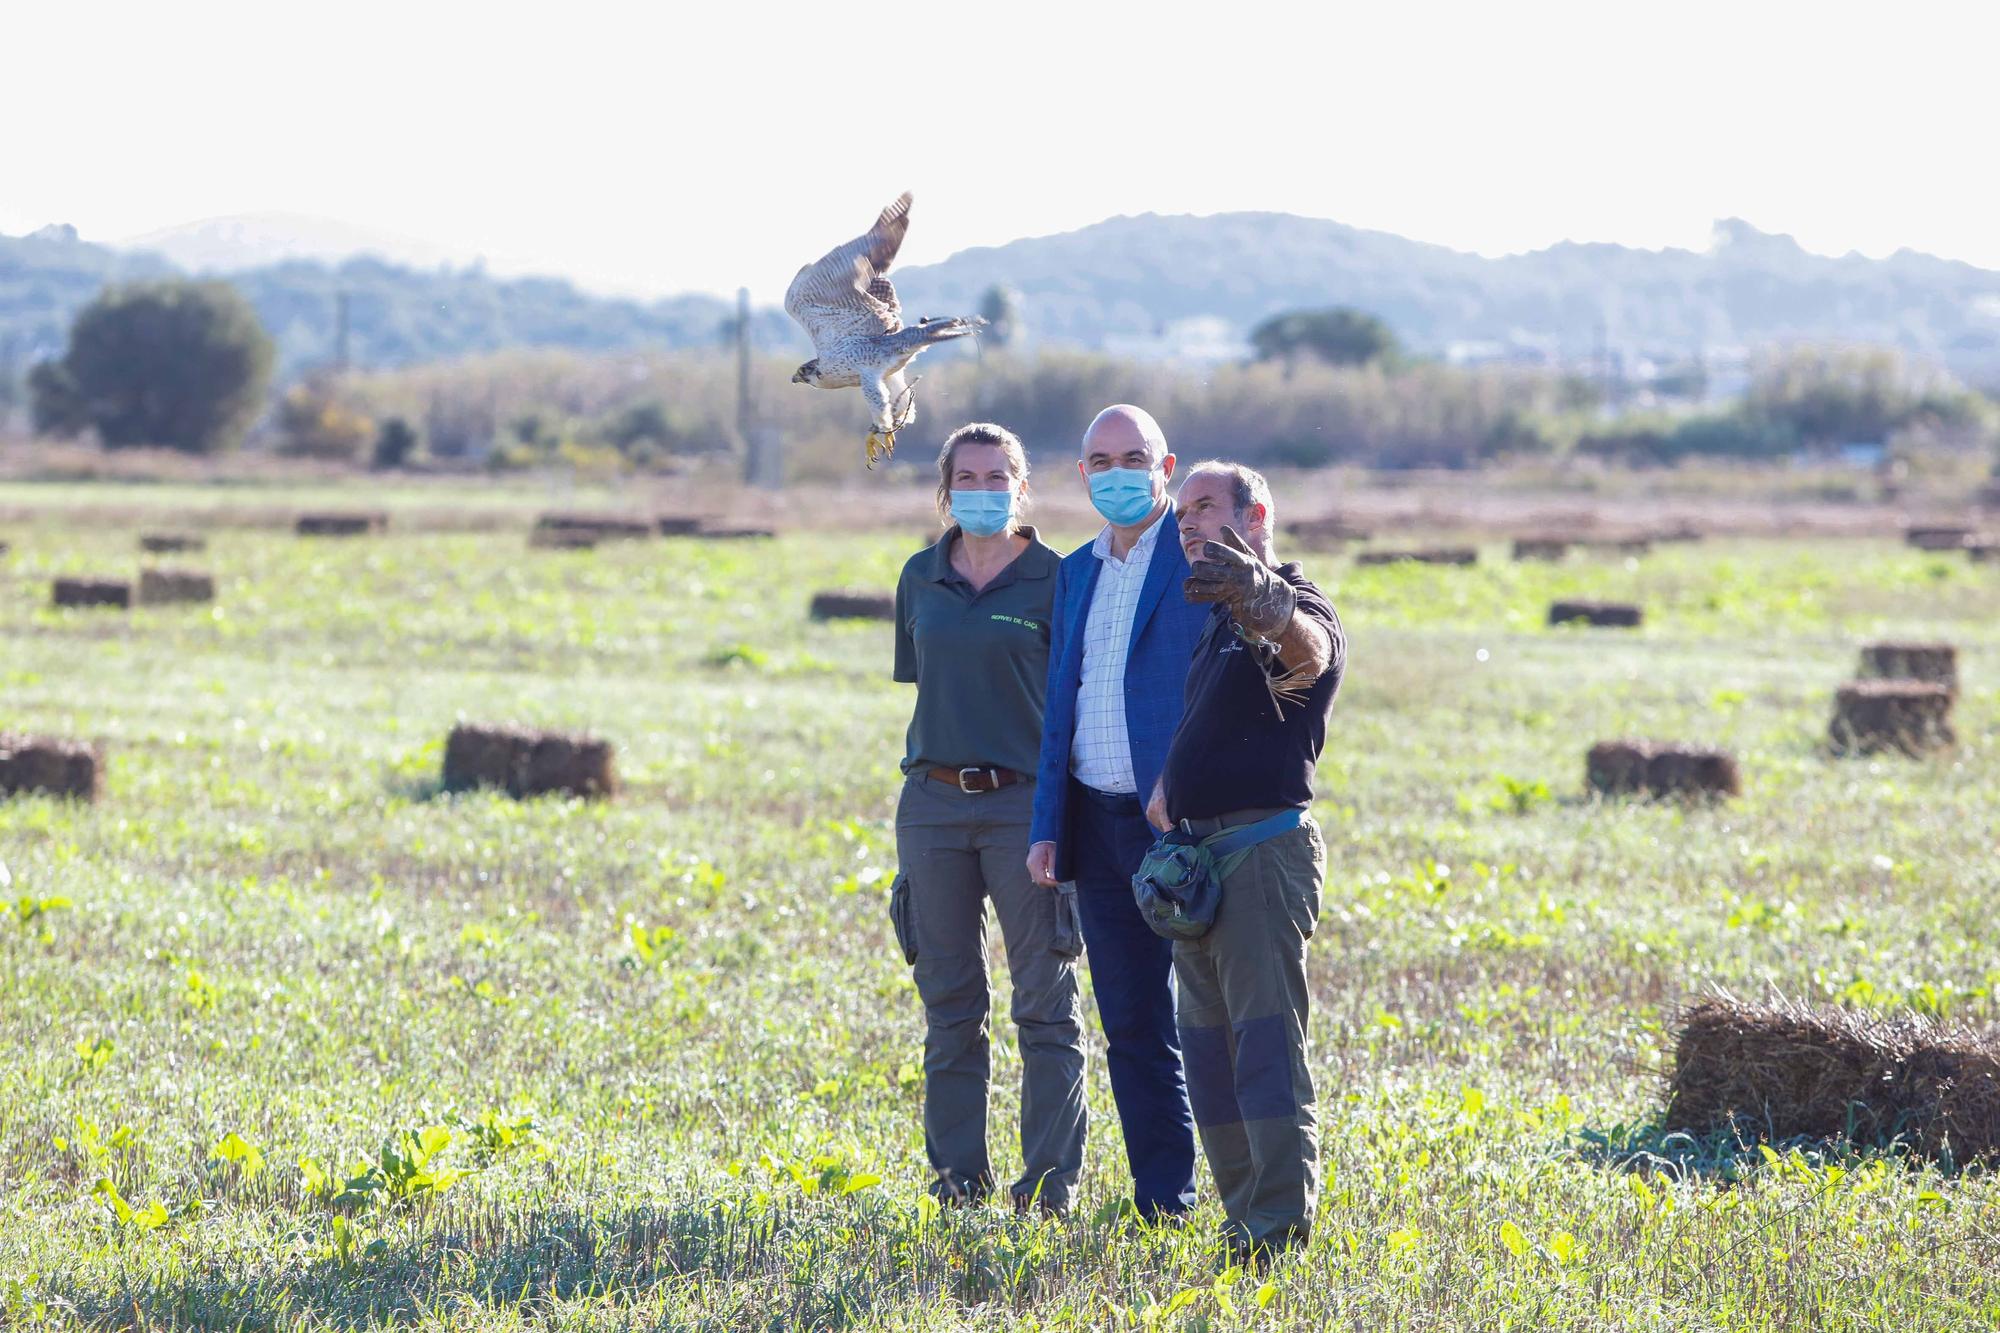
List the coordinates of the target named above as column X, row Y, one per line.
column 1119, row 648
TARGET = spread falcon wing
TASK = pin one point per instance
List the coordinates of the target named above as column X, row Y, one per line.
column 845, row 293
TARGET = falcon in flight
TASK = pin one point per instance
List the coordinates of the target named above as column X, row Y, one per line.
column 845, row 303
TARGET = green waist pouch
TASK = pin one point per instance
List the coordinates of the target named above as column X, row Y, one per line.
column 1179, row 885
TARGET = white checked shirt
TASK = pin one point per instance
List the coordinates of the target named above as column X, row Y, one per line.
column 1101, row 754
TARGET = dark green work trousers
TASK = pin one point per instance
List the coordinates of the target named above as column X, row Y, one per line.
column 1243, row 1008
column 957, row 850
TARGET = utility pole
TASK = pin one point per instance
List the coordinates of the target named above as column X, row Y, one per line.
column 763, row 447
column 340, row 331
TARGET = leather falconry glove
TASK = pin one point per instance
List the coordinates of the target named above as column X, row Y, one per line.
column 1230, row 572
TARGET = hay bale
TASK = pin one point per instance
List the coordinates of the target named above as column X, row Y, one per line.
column 1613, row 615
column 1628, row 544
column 725, row 533
column 92, row 592
column 1909, row 716
column 171, row 543
column 1323, row 534
column 1651, row 768
column 47, row 764
column 1683, row 531
column 563, row 539
column 1541, row 548
column 1933, row 662
column 1938, row 537
column 572, row 764
column 678, row 525
column 604, row 527
column 361, row 524
column 1786, row 1071
column 1432, row 555
column 1982, row 552
column 847, row 604
column 476, row 755
column 162, row 587
column 524, row 762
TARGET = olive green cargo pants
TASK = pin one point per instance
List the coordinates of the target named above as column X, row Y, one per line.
column 1243, row 1010
column 956, row 851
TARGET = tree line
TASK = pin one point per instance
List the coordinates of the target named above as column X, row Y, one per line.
column 186, row 365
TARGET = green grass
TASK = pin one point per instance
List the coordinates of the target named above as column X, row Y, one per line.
column 653, row 1063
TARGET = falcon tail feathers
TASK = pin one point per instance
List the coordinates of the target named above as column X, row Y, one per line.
column 942, row 330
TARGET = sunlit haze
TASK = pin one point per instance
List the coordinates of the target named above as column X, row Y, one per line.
column 659, row 149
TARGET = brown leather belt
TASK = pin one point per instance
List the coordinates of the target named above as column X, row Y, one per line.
column 975, row 780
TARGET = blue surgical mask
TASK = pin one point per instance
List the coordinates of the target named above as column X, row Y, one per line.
column 982, row 513
column 1124, row 495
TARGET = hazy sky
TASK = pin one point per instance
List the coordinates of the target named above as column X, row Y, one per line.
column 658, row 148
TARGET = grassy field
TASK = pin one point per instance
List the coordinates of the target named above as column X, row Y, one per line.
column 349, row 1052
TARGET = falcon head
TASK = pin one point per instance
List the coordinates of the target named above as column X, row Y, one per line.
column 808, row 373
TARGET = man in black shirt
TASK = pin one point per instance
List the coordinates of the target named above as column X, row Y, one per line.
column 1260, row 688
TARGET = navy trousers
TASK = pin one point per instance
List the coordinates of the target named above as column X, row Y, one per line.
column 1132, row 969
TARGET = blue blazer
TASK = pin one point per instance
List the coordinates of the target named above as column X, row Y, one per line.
column 1165, row 626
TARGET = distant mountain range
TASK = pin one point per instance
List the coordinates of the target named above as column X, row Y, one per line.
column 1130, row 276
column 397, row 315
column 1127, row 284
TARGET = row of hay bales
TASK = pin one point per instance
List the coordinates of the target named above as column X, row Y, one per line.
column 567, row 531
column 518, row 760
column 155, row 587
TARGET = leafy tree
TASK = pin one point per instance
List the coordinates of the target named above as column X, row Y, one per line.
column 174, row 363
column 395, row 444
column 1001, row 308
column 1340, row 336
column 54, row 406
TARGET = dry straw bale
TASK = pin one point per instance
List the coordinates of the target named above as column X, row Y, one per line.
column 848, row 604
column 1322, row 534
column 92, row 592
column 161, row 587
column 728, row 532
column 1432, row 555
column 1910, row 716
column 1650, row 768
column 1541, row 548
column 574, row 765
column 46, row 764
column 563, row 539
column 171, row 543
column 341, row 524
column 1614, row 615
column 1938, row 537
column 601, row 526
column 1933, row 662
column 1783, row 1070
column 679, row 525
column 525, row 762
column 1627, row 544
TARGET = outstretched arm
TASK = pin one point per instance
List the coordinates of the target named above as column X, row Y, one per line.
column 1262, row 604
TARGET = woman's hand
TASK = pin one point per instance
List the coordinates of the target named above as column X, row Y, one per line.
column 1042, row 864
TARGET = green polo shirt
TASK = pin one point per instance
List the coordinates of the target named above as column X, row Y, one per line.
column 979, row 660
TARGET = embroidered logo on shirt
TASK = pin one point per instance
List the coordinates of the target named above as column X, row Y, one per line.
column 1016, row 620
